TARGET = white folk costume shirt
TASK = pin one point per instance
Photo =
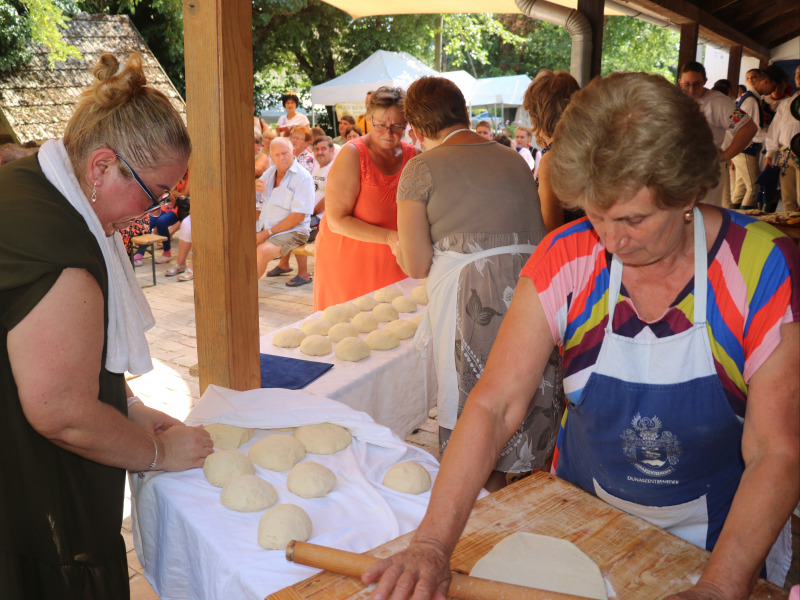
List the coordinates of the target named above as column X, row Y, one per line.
column 783, row 127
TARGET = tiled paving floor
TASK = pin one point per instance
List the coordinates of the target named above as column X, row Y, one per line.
column 173, row 384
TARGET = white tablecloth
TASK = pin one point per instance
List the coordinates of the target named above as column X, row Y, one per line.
column 193, row 548
column 396, row 387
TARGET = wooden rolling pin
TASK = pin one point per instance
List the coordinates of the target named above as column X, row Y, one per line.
column 462, row 587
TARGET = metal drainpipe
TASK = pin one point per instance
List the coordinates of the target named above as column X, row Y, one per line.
column 576, row 24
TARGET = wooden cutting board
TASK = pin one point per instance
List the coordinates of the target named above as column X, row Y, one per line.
column 641, row 562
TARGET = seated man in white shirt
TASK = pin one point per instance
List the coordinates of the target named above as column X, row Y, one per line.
column 287, row 204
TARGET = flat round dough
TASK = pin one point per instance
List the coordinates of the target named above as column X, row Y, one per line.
column 316, row 345
column 310, row 480
column 228, row 437
column 382, row 339
column 248, row 493
column 323, row 438
column 316, row 326
column 365, row 322
column 402, row 328
column 404, row 304
column 342, row 330
column 385, row 312
column 334, row 315
column 420, row 294
column 277, row 452
column 365, row 302
column 352, row 349
column 408, row 477
column 223, row 465
column 281, row 524
column 387, row 294
column 558, row 566
column 288, row 338
column 351, row 309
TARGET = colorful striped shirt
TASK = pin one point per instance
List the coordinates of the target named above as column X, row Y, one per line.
column 753, row 277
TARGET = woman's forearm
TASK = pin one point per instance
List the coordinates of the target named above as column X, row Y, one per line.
column 355, row 228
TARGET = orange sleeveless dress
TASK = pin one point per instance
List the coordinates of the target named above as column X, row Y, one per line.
column 345, row 268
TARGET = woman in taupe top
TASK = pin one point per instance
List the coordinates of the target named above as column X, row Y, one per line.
column 468, row 219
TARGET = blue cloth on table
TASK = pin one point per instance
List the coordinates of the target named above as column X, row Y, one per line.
column 290, row 373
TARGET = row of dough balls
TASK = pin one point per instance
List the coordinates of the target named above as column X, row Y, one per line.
column 349, row 346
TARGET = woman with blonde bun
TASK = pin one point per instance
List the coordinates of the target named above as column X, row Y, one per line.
column 73, row 320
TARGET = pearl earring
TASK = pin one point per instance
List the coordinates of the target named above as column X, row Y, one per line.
column 94, row 192
column 688, row 216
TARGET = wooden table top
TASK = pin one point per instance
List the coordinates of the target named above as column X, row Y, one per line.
column 641, row 561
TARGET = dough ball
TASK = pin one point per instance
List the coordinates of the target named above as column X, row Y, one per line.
column 382, row 339
column 223, row 465
column 316, row 345
column 342, row 330
column 404, row 304
column 420, row 294
column 228, row 437
column 310, row 480
column 334, row 315
column 408, row 477
column 417, row 319
column 288, row 338
column 365, row 302
column 387, row 294
column 277, row 452
column 351, row 309
column 352, row 349
column 323, row 438
column 365, row 322
column 385, row 312
column 316, row 326
column 248, row 493
column 402, row 328
column 281, row 524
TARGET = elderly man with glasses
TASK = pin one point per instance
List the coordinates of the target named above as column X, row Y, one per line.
column 731, row 128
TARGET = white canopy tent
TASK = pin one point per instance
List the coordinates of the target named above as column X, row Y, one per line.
column 508, row 90
column 381, row 68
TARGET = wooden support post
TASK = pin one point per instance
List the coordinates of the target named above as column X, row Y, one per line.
column 219, row 107
column 734, row 66
column 593, row 9
column 688, row 49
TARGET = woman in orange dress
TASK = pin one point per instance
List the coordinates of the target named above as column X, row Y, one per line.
column 357, row 240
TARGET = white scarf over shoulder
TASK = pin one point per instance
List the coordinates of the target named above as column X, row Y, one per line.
column 129, row 314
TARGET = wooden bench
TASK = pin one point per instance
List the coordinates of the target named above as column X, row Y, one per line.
column 304, row 250
column 148, row 243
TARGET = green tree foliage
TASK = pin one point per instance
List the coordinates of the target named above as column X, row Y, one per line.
column 633, row 45
column 23, row 22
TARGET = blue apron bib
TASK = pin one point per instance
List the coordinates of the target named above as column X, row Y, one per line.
column 652, row 432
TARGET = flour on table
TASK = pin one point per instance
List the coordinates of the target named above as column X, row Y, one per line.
column 281, row 524
column 277, row 452
column 542, row 562
column 323, row 438
column 248, row 493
